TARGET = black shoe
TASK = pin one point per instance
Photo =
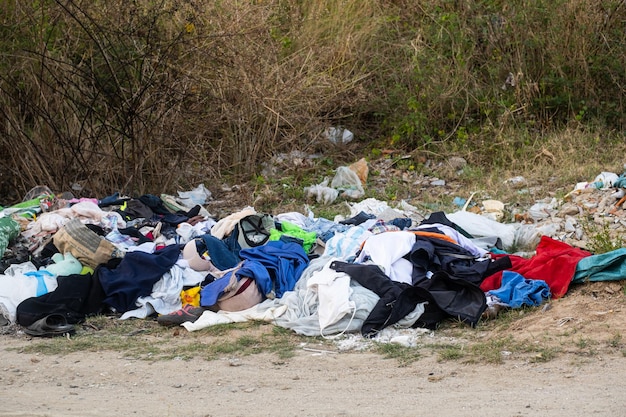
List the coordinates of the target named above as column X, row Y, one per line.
column 52, row 325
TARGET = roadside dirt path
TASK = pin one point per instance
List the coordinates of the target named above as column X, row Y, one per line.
column 310, row 384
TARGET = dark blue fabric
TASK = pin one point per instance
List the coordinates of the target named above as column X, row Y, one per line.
column 173, row 218
column 112, row 200
column 361, row 217
column 433, row 254
column 135, row 276
column 155, row 203
column 516, row 290
column 232, row 242
column 221, row 255
column 401, row 222
column 259, row 273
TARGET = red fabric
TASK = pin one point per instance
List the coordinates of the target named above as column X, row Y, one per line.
column 555, row 263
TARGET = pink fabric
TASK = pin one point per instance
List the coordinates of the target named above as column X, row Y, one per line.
column 555, row 263
column 81, row 200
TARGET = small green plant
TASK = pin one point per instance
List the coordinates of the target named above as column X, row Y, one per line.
column 450, row 353
column 600, row 237
column 586, row 347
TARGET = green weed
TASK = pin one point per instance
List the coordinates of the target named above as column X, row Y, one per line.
column 405, row 355
column 601, row 238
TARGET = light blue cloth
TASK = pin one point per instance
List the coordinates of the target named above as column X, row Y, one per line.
column 609, row 266
column 516, row 290
column 42, row 288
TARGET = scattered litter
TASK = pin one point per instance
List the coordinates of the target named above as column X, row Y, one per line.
column 338, row 135
column 348, row 182
column 516, row 182
column 319, row 350
column 199, row 195
column 494, row 209
column 459, row 202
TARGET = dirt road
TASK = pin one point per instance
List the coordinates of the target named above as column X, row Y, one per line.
column 310, row 384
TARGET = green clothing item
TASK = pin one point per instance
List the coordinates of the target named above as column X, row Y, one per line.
column 9, row 230
column 609, row 266
column 289, row 229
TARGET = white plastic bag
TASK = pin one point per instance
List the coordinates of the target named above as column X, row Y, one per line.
column 338, row 135
column 322, row 192
column 481, row 226
column 348, row 183
column 197, row 196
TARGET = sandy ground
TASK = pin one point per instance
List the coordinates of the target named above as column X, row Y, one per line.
column 585, row 378
column 352, row 384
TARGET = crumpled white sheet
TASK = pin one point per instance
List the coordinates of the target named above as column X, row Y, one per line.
column 264, row 311
column 332, row 289
column 481, row 226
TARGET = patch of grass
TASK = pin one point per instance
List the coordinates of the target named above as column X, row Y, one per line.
column 582, row 343
column 279, row 341
column 329, row 212
column 544, row 355
column 450, row 352
column 405, row 355
column 496, row 349
column 154, row 342
column 393, row 189
column 507, row 317
column 491, row 350
column 586, row 347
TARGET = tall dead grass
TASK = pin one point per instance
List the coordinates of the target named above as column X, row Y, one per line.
column 145, row 96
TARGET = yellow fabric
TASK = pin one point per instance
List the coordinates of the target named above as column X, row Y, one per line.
column 191, row 296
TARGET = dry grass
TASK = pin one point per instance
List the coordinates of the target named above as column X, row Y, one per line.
column 145, row 97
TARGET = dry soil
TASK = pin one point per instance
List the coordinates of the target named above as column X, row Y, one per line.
column 584, row 376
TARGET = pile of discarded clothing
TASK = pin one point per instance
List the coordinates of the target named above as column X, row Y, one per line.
column 167, row 258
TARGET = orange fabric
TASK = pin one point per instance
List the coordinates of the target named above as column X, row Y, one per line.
column 424, row 234
column 435, row 235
